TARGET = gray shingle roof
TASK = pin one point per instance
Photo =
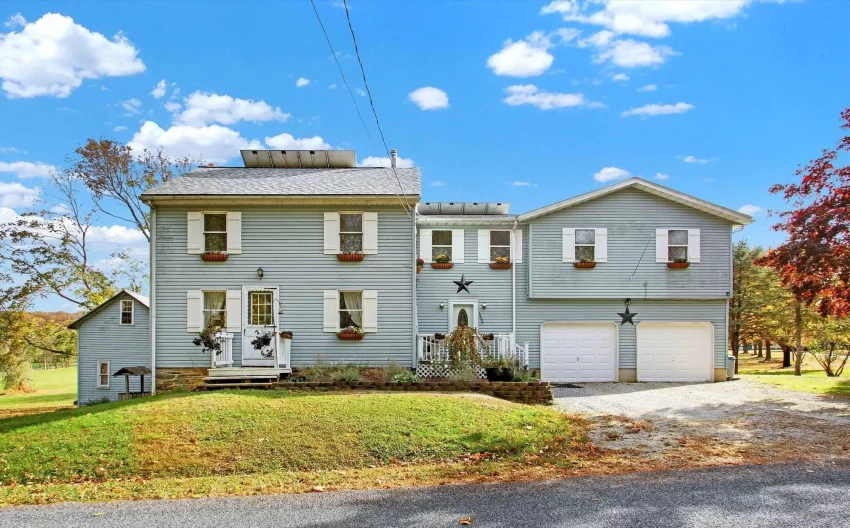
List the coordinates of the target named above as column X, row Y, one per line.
column 238, row 181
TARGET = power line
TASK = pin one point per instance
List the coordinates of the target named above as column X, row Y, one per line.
column 404, row 204
column 371, row 102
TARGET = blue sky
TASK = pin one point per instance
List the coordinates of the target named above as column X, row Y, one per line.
column 530, row 102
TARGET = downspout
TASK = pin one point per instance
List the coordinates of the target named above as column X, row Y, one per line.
column 513, row 283
column 413, row 282
column 152, row 309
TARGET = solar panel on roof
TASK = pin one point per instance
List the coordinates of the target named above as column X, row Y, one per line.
column 299, row 159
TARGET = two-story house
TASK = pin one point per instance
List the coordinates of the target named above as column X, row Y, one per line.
column 630, row 282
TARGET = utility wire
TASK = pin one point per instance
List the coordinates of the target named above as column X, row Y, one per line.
column 404, row 203
column 371, row 102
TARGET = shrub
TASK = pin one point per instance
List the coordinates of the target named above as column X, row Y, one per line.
column 393, row 369
column 464, row 374
column 349, row 373
column 98, row 401
column 320, row 370
column 463, row 345
column 526, row 375
column 405, row 376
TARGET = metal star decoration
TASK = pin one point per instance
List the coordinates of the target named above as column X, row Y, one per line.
column 462, row 284
column 627, row 317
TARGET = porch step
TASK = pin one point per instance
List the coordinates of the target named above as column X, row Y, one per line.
column 254, row 385
column 243, row 372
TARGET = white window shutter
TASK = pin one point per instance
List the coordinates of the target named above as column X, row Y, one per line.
column 693, row 245
column 425, row 245
column 331, row 311
column 331, row 233
column 234, row 310
column 370, row 310
column 457, row 246
column 194, row 233
column 370, row 233
column 516, row 254
column 483, row 246
column 569, row 242
column 234, row 233
column 601, row 244
column 661, row 245
column 194, row 311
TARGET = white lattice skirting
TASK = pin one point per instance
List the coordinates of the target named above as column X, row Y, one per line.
column 437, row 370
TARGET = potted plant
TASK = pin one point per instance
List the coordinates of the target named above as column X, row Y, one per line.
column 488, row 337
column 350, row 256
column 442, row 261
column 419, row 263
column 499, row 369
column 215, row 251
column 286, row 334
column 678, row 263
column 501, row 263
column 439, row 337
column 207, row 339
column 262, row 340
column 350, row 333
column 585, row 264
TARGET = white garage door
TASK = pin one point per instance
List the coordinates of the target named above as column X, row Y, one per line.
column 675, row 352
column 578, row 352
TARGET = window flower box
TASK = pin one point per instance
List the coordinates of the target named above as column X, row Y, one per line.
column 351, row 333
column 501, row 263
column 442, row 265
column 678, row 265
column 213, row 256
column 584, row 264
column 350, row 256
column 286, row 335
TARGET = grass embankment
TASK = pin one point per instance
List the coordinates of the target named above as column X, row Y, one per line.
column 226, row 442
column 813, row 378
column 48, row 390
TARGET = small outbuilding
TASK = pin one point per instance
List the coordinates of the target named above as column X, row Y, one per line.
column 111, row 339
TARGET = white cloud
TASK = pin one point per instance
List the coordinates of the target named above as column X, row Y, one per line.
column 159, row 90
column 132, row 106
column 657, row 110
column 620, row 77
column 116, row 235
column 15, row 20
column 662, row 176
column 11, row 150
column 212, row 143
column 7, row 215
column 172, row 106
column 520, row 59
column 203, row 108
column 437, row 183
column 694, row 159
column 361, row 92
column 119, row 128
column 611, row 173
column 429, row 98
column 648, row 88
column 26, row 169
column 16, row 195
column 522, row 94
column 375, row 161
column 289, row 142
column 750, row 209
column 523, row 184
column 331, row 87
column 633, row 54
column 302, row 82
column 53, row 55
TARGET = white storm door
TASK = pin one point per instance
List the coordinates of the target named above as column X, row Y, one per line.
column 260, row 317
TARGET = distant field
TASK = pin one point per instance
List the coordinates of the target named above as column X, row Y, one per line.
column 813, row 380
column 52, row 389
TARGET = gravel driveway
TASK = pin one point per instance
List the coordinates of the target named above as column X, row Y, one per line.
column 716, row 422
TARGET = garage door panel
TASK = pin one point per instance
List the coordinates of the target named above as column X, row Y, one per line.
column 675, row 352
column 579, row 352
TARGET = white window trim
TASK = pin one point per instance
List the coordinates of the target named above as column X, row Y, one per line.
column 132, row 312
column 204, row 231
column 686, row 245
column 204, row 310
column 340, row 232
column 450, row 246
column 576, row 245
column 108, row 370
column 340, row 310
column 509, row 246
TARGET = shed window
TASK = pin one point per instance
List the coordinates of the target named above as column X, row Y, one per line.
column 215, row 232
column 350, row 309
column 441, row 244
column 351, row 232
column 500, row 244
column 103, row 374
column 677, row 245
column 585, row 245
column 126, row 312
column 215, row 309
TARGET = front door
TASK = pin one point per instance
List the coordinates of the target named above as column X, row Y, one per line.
column 260, row 324
column 463, row 314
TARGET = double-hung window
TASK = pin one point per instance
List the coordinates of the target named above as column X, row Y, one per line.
column 350, row 309
column 585, row 245
column 441, row 244
column 215, row 232
column 103, row 374
column 126, row 312
column 500, row 245
column 215, row 309
column 351, row 232
column 677, row 245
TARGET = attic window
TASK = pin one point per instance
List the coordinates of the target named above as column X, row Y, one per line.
column 126, row 312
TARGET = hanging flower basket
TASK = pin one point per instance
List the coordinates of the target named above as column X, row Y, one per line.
column 584, row 265
column 678, row 265
column 418, row 269
column 442, row 265
column 350, row 257
column 213, row 256
column 419, row 263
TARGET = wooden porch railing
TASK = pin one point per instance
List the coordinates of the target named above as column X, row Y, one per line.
column 434, row 350
column 225, row 356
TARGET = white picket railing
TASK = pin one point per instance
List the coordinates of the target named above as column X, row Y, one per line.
column 225, row 356
column 433, row 350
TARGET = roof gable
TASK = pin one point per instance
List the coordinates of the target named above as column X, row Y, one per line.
column 141, row 299
column 730, row 215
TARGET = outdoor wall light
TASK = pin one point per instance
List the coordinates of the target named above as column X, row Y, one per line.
column 484, row 306
column 442, row 305
column 260, row 272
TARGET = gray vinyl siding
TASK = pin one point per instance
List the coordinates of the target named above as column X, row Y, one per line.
column 491, row 286
column 631, row 217
column 288, row 243
column 101, row 337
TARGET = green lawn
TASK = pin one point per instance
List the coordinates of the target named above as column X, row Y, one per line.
column 251, row 434
column 813, row 380
column 51, row 389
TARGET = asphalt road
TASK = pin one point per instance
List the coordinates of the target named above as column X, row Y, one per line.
column 795, row 495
